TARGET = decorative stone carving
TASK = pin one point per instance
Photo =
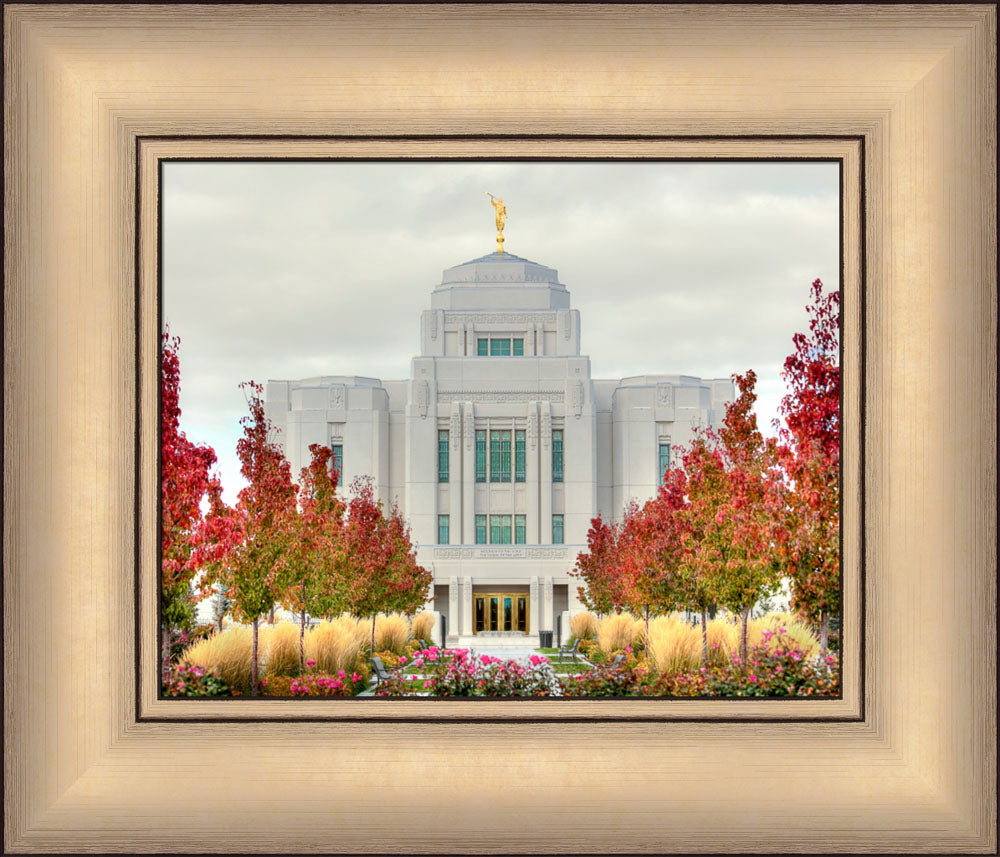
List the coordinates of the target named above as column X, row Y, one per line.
column 497, row 552
column 468, row 428
column 500, row 387
column 434, row 325
column 546, row 429
column 337, row 397
column 664, row 396
column 577, row 393
column 423, row 398
column 519, row 318
column 469, row 396
column 533, row 428
column 456, row 428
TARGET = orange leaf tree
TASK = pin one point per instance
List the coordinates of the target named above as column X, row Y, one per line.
column 316, row 581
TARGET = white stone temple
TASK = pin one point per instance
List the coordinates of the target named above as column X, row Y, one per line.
column 500, row 447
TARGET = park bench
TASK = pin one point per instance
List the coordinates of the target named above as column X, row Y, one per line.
column 570, row 651
column 380, row 672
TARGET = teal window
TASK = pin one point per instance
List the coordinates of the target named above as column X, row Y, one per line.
column 480, row 456
column 557, row 455
column 443, row 529
column 499, row 529
column 338, row 461
column 499, row 456
column 519, row 456
column 664, row 460
column 442, row 456
column 557, row 529
column 480, row 529
column 520, row 529
column 500, row 347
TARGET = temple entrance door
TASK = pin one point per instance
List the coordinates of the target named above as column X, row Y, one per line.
column 500, row 611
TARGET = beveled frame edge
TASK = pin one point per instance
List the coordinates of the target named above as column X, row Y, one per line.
column 846, row 151
column 918, row 775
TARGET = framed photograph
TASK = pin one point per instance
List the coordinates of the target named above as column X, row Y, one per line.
column 103, row 101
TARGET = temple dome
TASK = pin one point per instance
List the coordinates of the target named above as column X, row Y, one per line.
column 500, row 281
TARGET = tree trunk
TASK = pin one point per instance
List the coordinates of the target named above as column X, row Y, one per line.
column 704, row 637
column 221, row 617
column 302, row 632
column 745, row 616
column 270, row 618
column 647, row 628
column 373, row 634
column 166, row 654
column 253, row 660
column 824, row 636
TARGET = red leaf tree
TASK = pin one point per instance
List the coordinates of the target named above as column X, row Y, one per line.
column 184, row 483
column 379, row 559
column 252, row 544
column 599, row 567
column 810, row 455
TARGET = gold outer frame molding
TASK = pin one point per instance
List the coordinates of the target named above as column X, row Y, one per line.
column 915, row 84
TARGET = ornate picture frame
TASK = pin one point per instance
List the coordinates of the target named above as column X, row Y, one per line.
column 909, row 94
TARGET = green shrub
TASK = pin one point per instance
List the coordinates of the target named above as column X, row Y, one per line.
column 193, row 681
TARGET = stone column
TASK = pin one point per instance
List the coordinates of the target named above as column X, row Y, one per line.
column 455, row 469
column 452, row 609
column 468, row 474
column 545, row 479
column 531, row 475
column 466, row 607
column 533, row 605
column 548, row 623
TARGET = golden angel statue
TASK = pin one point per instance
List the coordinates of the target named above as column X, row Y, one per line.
column 501, row 217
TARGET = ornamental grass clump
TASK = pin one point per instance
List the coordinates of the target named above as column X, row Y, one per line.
column 723, row 641
column 280, row 647
column 616, row 631
column 226, row 654
column 777, row 667
column 333, row 645
column 422, row 626
column 795, row 630
column 673, row 645
column 391, row 633
column 583, row 626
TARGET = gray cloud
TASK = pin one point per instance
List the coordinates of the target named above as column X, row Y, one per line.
column 285, row 270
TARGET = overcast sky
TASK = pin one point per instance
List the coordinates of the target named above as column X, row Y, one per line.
column 288, row 270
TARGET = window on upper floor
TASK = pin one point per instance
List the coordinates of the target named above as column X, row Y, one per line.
column 557, row 529
column 499, row 456
column 442, row 456
column 520, row 529
column 500, row 529
column 443, row 529
column 519, row 455
column 480, row 529
column 500, row 346
column 557, row 455
column 664, row 460
column 338, row 461
column 481, row 456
